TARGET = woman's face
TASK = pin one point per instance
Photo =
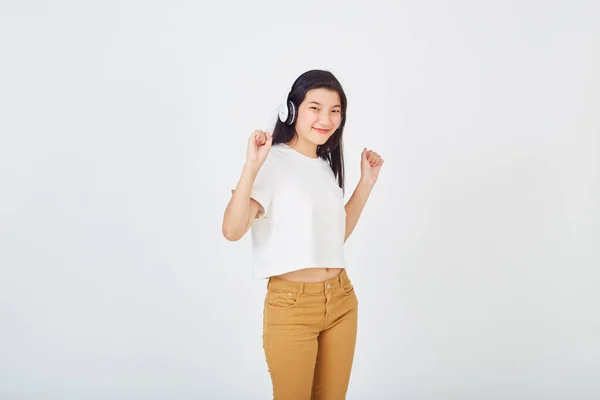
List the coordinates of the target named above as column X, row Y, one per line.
column 319, row 115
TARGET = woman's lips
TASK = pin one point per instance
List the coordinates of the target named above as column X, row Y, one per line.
column 321, row 131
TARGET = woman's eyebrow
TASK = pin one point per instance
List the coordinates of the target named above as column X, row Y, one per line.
column 319, row 104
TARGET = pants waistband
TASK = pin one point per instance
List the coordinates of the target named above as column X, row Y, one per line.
column 340, row 280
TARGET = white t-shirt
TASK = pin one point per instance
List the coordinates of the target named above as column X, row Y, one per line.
column 304, row 222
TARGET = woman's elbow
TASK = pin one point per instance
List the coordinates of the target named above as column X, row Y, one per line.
column 234, row 233
column 232, row 237
column 234, row 228
column 230, row 234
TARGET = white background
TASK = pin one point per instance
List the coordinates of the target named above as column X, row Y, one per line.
column 123, row 128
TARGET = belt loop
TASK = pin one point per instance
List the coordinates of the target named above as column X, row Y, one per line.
column 300, row 288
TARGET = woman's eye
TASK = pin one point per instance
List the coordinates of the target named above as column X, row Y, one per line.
column 314, row 108
column 337, row 111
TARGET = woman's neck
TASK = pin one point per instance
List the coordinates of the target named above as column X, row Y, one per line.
column 305, row 148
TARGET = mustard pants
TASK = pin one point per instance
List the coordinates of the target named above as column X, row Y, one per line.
column 309, row 335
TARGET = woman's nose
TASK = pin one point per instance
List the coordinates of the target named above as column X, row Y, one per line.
column 325, row 120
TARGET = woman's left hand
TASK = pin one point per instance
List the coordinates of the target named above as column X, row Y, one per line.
column 370, row 165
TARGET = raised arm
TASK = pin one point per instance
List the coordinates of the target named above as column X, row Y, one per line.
column 242, row 209
column 370, row 166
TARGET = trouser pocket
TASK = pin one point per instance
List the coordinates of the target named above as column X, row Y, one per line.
column 281, row 300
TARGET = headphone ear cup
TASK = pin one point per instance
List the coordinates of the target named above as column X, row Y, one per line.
column 283, row 112
column 287, row 112
column 293, row 113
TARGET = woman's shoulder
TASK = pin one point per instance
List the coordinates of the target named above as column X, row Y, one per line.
column 277, row 154
column 273, row 161
column 279, row 148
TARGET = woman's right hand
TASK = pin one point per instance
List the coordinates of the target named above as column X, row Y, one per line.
column 259, row 146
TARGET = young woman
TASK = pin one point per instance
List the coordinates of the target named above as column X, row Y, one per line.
column 291, row 193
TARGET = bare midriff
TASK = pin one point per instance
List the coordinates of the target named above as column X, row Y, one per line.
column 310, row 274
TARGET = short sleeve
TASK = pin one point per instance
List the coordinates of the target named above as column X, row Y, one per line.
column 262, row 191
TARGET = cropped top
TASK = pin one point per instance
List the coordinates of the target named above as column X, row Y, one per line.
column 303, row 220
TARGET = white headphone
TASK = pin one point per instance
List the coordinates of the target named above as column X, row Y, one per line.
column 287, row 112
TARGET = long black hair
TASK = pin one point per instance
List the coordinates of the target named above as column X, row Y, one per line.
column 332, row 149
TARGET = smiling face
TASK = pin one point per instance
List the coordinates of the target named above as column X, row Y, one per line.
column 319, row 115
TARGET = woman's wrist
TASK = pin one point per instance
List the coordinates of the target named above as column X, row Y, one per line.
column 251, row 168
column 366, row 183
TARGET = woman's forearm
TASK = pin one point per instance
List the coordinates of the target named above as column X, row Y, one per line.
column 355, row 205
column 235, row 219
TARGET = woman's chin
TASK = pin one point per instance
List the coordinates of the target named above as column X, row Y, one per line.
column 320, row 139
